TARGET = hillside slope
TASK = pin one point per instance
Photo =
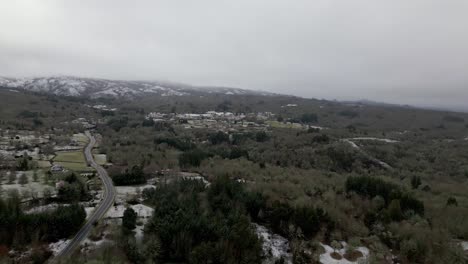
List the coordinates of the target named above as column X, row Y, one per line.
column 97, row 88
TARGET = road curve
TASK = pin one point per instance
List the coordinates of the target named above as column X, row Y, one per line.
column 101, row 209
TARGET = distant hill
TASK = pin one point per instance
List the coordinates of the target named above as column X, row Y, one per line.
column 97, row 88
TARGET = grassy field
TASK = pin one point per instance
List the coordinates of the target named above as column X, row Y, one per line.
column 100, row 159
column 277, row 124
column 75, row 166
column 81, row 139
column 73, row 160
column 43, row 164
column 72, row 156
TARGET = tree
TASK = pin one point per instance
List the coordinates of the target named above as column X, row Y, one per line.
column 192, row 158
column 452, row 201
column 48, row 150
column 152, row 249
column 35, row 176
column 47, row 193
column 261, row 136
column 129, row 219
column 394, row 210
column 11, row 177
column 2, row 177
column 23, row 163
column 48, row 176
column 309, row 118
column 23, row 179
column 415, row 182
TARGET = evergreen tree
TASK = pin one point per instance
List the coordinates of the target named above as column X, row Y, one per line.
column 129, row 219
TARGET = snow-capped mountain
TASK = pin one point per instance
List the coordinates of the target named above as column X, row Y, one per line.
column 95, row 88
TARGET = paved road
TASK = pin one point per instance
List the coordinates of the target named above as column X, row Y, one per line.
column 101, row 209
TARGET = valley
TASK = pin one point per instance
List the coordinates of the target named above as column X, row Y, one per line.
column 213, row 176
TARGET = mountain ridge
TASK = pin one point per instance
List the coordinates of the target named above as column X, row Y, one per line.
column 97, row 87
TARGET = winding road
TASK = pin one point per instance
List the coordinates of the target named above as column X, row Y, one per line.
column 101, row 209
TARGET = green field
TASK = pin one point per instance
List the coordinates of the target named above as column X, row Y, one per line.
column 81, row 138
column 100, row 159
column 73, row 160
column 75, row 166
column 43, row 163
column 72, row 156
column 277, row 124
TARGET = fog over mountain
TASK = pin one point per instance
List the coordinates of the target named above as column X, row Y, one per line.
column 407, row 52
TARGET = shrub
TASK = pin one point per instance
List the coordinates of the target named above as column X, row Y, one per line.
column 192, row 158
column 309, row 118
column 130, row 177
column 392, row 194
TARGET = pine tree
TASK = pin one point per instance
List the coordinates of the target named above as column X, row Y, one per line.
column 129, row 219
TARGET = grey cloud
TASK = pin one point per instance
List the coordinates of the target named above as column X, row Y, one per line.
column 412, row 52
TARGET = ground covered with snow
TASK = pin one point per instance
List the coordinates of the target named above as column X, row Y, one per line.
column 274, row 246
column 58, row 246
column 464, row 245
column 142, row 211
column 339, row 256
column 386, row 140
column 30, row 189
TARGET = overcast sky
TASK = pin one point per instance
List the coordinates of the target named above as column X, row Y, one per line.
column 413, row 52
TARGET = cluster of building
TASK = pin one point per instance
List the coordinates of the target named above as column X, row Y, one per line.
column 87, row 124
column 223, row 121
column 102, row 107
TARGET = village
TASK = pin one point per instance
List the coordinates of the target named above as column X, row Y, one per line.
column 227, row 121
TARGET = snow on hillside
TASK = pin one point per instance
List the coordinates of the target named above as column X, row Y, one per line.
column 95, row 88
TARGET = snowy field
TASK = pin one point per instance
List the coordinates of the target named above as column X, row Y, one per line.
column 29, row 189
column 326, row 258
column 125, row 193
column 142, row 211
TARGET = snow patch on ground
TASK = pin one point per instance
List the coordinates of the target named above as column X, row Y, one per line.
column 464, row 245
column 43, row 208
column 386, row 140
column 89, row 245
column 354, row 145
column 274, row 246
column 142, row 211
column 58, row 246
column 326, row 258
column 317, row 127
column 124, row 193
column 89, row 211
